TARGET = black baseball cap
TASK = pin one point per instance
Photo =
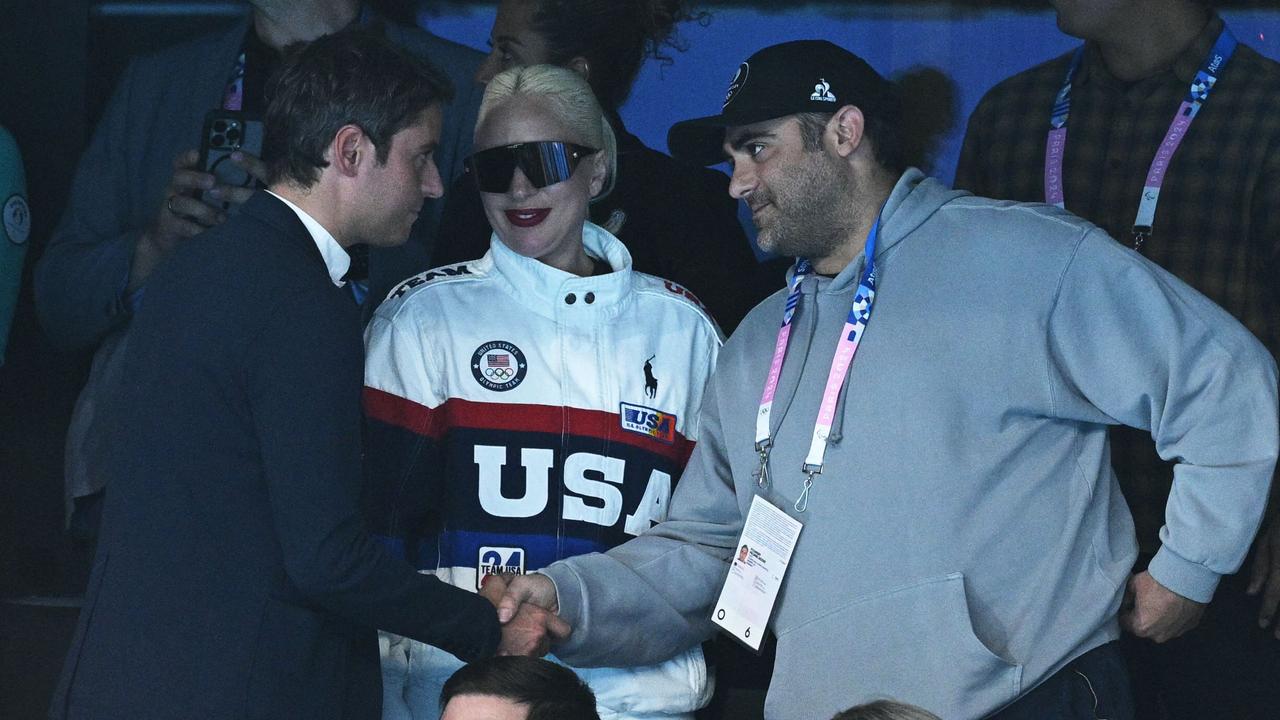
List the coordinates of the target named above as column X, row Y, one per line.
column 795, row 77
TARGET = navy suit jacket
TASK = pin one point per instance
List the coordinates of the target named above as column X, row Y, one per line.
column 156, row 112
column 234, row 576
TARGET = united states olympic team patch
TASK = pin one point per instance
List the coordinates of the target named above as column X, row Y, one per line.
column 498, row 365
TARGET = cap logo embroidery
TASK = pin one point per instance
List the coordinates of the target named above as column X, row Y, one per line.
column 739, row 79
column 822, row 91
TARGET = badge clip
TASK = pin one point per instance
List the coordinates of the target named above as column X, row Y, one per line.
column 1141, row 233
column 762, row 475
column 810, row 471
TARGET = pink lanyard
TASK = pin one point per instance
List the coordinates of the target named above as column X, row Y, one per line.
column 233, row 96
column 855, row 324
column 1056, row 145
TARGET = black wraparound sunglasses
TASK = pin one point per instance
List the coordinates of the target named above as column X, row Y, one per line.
column 544, row 163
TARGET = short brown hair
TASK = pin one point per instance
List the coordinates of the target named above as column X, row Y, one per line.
column 550, row 691
column 352, row 77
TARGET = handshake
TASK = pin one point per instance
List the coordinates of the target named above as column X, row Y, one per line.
column 527, row 609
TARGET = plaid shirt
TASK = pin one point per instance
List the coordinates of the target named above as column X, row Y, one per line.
column 1217, row 225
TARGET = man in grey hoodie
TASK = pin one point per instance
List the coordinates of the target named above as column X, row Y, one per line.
column 965, row 546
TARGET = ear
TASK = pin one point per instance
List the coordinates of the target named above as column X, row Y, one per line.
column 845, row 129
column 580, row 65
column 349, row 147
column 599, row 173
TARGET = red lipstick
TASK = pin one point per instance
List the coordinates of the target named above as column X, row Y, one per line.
column 527, row 217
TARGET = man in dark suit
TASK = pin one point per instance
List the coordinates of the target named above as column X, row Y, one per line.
column 234, row 577
column 134, row 196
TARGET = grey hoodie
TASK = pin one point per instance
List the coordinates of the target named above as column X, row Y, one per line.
column 966, row 538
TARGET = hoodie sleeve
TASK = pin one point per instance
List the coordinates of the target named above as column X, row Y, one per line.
column 650, row 598
column 1131, row 340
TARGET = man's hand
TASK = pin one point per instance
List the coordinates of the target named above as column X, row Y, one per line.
column 527, row 629
column 251, row 164
column 535, row 589
column 1266, row 574
column 182, row 215
column 531, row 632
column 1152, row 611
column 492, row 588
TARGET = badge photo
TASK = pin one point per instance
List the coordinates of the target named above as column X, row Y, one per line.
column 498, row 365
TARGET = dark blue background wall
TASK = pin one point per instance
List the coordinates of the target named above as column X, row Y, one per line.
column 976, row 48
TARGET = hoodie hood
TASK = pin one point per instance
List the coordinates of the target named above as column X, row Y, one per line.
column 914, row 199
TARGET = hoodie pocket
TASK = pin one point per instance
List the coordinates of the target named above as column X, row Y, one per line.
column 913, row 643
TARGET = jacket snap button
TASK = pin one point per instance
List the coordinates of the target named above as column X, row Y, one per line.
column 570, row 299
column 590, row 298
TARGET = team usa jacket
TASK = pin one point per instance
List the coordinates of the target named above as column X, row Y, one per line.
column 518, row 415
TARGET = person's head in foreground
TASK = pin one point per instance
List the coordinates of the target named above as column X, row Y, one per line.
column 516, row 688
column 543, row 150
column 885, row 710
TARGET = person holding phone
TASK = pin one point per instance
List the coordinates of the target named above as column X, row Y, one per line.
column 133, row 198
column 539, row 402
column 235, row 578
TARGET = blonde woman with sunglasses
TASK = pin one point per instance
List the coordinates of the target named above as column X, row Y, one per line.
column 537, row 403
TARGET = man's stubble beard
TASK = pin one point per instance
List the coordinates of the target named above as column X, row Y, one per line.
column 813, row 214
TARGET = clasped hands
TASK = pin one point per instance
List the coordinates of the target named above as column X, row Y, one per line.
column 527, row 609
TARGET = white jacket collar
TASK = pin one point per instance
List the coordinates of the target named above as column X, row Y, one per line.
column 565, row 296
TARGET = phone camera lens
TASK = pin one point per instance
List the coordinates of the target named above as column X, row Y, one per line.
column 233, row 135
column 220, row 126
column 217, row 141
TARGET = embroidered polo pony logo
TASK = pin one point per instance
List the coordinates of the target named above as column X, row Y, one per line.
column 650, row 382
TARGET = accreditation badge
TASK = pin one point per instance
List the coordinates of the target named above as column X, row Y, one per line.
column 756, row 571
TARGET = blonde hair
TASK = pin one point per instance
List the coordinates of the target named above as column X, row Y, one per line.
column 570, row 98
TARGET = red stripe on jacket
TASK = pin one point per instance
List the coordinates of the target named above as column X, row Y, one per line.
column 515, row 417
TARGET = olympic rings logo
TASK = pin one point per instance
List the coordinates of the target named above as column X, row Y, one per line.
column 498, row 365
